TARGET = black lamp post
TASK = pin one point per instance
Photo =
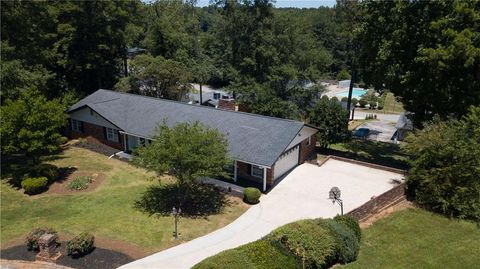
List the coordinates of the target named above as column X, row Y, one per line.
column 334, row 195
column 176, row 215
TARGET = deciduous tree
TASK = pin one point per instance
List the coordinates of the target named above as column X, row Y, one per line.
column 32, row 125
column 445, row 161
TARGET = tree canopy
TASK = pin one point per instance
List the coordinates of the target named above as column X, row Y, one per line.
column 31, row 125
column 186, row 151
column 446, row 165
column 426, row 52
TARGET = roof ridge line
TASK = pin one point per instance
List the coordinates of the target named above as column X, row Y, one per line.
column 200, row 106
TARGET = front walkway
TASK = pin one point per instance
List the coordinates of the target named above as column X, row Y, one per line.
column 302, row 194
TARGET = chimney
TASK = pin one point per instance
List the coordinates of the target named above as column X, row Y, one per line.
column 227, row 104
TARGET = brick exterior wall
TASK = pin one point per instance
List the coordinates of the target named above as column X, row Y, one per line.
column 94, row 133
column 226, row 104
column 377, row 204
column 306, row 151
column 243, row 172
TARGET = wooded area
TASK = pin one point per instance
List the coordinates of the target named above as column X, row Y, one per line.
column 272, row 59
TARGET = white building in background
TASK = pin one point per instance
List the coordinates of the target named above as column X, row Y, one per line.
column 344, row 83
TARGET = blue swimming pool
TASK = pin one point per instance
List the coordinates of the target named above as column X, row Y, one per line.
column 356, row 93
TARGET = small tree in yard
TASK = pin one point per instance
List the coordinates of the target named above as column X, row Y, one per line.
column 187, row 151
column 445, row 164
column 31, row 125
column 331, row 118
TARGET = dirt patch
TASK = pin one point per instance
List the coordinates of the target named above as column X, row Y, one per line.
column 61, row 186
column 98, row 258
column 386, row 212
column 132, row 251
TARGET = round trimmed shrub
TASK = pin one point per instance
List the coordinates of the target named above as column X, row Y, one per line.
column 34, row 185
column 310, row 241
column 32, row 238
column 49, row 171
column 260, row 254
column 351, row 223
column 347, row 242
column 81, row 244
column 251, row 195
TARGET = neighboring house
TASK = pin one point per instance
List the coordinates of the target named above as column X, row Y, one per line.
column 208, row 98
column 132, row 52
column 263, row 148
column 403, row 125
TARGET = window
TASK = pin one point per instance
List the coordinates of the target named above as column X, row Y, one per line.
column 77, row 125
column 112, row 135
column 257, row 171
column 309, row 141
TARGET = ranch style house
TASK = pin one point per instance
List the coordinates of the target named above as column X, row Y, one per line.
column 263, row 148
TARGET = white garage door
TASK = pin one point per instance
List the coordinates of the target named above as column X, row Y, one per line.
column 287, row 161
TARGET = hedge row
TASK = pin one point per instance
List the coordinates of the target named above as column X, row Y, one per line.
column 315, row 243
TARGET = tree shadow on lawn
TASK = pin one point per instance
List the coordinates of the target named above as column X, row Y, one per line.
column 387, row 154
column 17, row 168
column 195, row 199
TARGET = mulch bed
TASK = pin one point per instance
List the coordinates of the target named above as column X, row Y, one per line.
column 61, row 186
column 98, row 258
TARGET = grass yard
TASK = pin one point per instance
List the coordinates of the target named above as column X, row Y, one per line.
column 381, row 153
column 391, row 105
column 415, row 238
column 106, row 211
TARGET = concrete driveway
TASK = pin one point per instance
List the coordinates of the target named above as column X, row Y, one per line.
column 301, row 194
column 379, row 130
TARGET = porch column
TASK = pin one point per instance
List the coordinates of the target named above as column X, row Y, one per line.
column 125, row 141
column 264, row 178
column 235, row 170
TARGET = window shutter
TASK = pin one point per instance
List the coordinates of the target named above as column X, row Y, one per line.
column 81, row 126
column 105, row 132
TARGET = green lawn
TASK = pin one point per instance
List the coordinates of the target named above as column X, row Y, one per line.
column 381, row 153
column 107, row 211
column 416, row 238
column 391, row 105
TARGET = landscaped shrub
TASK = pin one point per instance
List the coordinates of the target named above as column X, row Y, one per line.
column 260, row 254
column 32, row 238
column 354, row 101
column 362, row 103
column 81, row 244
column 34, row 185
column 49, row 171
column 251, row 195
column 351, row 223
column 347, row 242
column 310, row 241
column 345, row 99
column 80, row 183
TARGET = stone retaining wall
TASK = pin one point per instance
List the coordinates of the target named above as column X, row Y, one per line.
column 379, row 203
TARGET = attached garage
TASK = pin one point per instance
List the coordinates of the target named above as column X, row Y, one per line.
column 287, row 161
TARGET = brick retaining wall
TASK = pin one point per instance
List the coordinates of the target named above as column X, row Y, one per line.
column 377, row 204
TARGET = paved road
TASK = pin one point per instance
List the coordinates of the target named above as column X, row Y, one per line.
column 302, row 194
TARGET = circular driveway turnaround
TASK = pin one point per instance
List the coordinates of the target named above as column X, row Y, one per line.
column 301, row 194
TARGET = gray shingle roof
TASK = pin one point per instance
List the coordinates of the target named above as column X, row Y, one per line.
column 252, row 138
